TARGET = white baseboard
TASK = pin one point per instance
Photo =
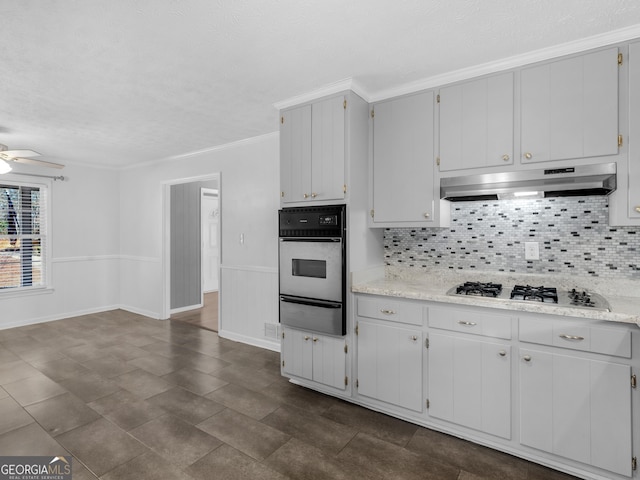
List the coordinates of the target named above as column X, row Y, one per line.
column 256, row 342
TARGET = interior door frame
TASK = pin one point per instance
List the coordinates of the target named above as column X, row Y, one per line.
column 166, row 236
column 204, row 191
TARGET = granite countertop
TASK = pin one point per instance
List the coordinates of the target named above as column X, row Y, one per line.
column 433, row 284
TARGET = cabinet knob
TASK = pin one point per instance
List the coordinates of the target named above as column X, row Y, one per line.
column 387, row 312
column 505, row 157
column 502, row 353
column 637, row 208
column 527, row 358
column 315, row 339
column 306, row 337
column 305, row 195
column 314, row 195
column 528, row 156
column 413, row 337
column 426, row 215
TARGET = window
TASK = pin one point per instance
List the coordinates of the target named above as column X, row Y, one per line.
column 23, row 236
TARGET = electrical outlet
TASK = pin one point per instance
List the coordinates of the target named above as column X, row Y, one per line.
column 531, row 251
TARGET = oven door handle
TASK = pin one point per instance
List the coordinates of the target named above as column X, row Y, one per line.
column 310, row 303
column 312, row 239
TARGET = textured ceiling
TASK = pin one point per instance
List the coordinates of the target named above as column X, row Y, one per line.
column 120, row 82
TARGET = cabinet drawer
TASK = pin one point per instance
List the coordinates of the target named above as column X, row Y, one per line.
column 470, row 321
column 394, row 311
column 577, row 336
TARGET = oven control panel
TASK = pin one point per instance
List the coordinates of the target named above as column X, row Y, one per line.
column 328, row 220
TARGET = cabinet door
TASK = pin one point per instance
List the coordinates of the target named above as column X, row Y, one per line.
column 403, row 163
column 297, row 353
column 576, row 408
column 476, row 123
column 470, row 383
column 569, row 108
column 329, row 361
column 328, row 149
column 390, row 364
column 624, row 184
column 295, row 154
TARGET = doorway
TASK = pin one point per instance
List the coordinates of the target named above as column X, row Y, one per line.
column 192, row 250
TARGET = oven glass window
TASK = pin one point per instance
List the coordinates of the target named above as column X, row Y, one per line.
column 309, row 268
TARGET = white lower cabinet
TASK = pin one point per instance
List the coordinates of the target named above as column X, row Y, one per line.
column 577, row 408
column 470, row 383
column 315, row 357
column 390, row 364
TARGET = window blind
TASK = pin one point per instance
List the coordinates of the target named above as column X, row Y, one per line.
column 23, row 236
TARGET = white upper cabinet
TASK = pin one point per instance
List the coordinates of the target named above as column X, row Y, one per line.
column 328, row 149
column 632, row 195
column 569, row 108
column 295, row 153
column 403, row 161
column 476, row 123
column 312, row 151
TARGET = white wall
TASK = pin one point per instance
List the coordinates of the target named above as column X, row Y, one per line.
column 249, row 184
column 84, row 235
column 107, row 240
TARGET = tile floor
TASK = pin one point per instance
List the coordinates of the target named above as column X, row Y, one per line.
column 135, row 398
column 205, row 317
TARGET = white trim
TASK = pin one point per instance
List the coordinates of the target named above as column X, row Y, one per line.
column 249, row 268
column 330, row 89
column 58, row 316
column 520, row 60
column 141, row 311
column 186, row 309
column 256, row 342
column 13, row 292
column 86, row 258
column 135, row 258
column 216, row 148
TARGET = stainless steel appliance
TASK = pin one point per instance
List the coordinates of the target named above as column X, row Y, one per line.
column 527, row 293
column 313, row 268
column 599, row 179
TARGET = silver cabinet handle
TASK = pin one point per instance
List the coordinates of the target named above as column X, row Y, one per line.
column 306, row 337
column 637, row 209
column 413, row 337
column 426, row 215
column 305, row 195
column 315, row 339
column 527, row 358
column 505, row 157
column 468, row 324
column 528, row 156
column 502, row 353
column 314, row 195
column 571, row 337
column 387, row 312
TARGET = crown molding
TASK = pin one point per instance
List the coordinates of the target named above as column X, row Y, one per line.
column 330, row 89
column 225, row 146
column 577, row 46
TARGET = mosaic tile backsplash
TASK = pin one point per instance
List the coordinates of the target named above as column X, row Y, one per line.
column 572, row 232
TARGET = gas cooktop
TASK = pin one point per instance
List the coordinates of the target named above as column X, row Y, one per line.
column 527, row 293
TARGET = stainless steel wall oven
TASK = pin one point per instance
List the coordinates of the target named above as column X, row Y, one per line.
column 313, row 268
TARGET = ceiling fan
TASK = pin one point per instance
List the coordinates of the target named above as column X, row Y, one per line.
column 22, row 156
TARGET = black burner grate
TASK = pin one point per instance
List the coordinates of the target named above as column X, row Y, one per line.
column 480, row 289
column 534, row 294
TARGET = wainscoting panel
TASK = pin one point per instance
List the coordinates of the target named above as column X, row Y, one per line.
column 248, row 301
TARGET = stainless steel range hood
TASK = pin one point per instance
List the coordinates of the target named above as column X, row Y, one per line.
column 597, row 179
